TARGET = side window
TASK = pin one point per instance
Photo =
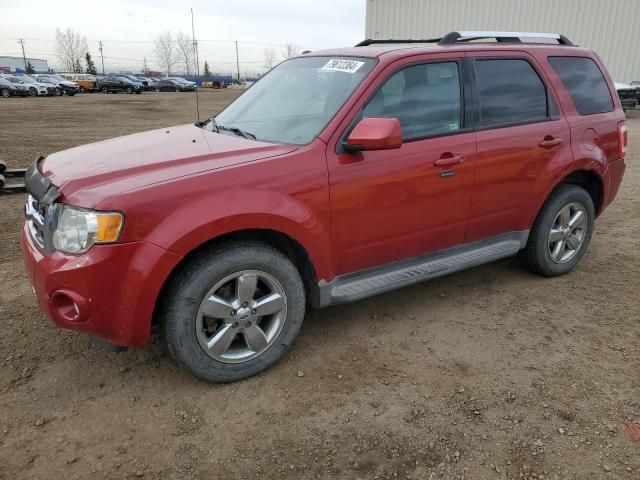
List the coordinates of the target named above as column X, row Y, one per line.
column 584, row 81
column 510, row 91
column 425, row 98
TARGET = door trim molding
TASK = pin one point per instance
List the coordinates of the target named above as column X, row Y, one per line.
column 373, row 281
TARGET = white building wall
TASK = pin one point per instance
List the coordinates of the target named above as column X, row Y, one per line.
column 610, row 27
column 18, row 62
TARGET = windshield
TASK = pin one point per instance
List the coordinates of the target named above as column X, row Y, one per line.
column 27, row 79
column 295, row 101
column 58, row 77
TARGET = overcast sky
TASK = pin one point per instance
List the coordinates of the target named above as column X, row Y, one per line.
column 128, row 28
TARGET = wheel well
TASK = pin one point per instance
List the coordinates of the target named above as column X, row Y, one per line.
column 590, row 181
column 286, row 245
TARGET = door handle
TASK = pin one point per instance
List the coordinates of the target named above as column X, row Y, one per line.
column 550, row 141
column 448, row 159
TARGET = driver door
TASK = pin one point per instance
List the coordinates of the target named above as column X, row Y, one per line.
column 389, row 205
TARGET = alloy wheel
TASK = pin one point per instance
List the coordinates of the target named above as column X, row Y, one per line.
column 568, row 232
column 241, row 316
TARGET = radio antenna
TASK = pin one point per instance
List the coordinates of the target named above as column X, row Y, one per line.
column 195, row 52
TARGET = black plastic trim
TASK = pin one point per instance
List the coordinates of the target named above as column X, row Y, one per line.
column 380, row 279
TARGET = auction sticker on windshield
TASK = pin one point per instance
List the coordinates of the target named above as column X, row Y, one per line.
column 341, row 65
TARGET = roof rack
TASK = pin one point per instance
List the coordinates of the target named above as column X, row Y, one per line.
column 467, row 36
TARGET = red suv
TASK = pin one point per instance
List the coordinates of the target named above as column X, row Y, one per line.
column 341, row 174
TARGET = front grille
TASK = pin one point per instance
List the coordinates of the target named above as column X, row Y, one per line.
column 36, row 214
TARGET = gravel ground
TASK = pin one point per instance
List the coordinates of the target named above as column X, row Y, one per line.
column 491, row 373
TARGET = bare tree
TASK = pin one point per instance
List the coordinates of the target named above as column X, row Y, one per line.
column 291, row 50
column 269, row 57
column 185, row 50
column 165, row 49
column 70, row 48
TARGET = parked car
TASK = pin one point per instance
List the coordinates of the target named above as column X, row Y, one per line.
column 10, row 89
column 628, row 96
column 184, row 81
column 137, row 80
column 33, row 88
column 636, row 84
column 150, row 82
column 50, row 83
column 172, row 85
column 40, row 87
column 339, row 175
column 86, row 81
column 118, row 83
column 64, row 86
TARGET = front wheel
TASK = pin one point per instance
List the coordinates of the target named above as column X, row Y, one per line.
column 6, row 93
column 33, row 91
column 129, row 90
column 59, row 92
column 231, row 312
column 561, row 233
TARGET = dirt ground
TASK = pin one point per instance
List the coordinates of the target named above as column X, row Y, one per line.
column 491, row 373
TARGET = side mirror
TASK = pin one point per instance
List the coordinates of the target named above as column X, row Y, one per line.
column 374, row 133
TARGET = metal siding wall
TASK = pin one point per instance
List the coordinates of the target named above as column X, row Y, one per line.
column 610, row 27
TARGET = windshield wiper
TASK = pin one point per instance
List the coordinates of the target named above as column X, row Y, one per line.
column 237, row 131
column 209, row 121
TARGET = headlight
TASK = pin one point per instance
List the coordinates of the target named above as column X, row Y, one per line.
column 78, row 229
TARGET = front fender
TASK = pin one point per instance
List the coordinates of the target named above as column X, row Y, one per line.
column 246, row 209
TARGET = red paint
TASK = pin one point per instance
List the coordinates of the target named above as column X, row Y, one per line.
column 183, row 186
column 376, row 134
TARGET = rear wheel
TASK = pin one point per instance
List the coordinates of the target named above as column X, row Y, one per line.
column 59, row 92
column 561, row 233
column 33, row 91
column 105, row 90
column 6, row 93
column 232, row 312
column 129, row 90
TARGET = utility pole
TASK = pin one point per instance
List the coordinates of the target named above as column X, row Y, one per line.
column 24, row 57
column 101, row 56
column 237, row 62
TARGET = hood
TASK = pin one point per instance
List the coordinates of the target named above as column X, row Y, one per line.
column 68, row 83
column 88, row 174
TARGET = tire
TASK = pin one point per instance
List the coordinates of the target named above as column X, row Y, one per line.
column 33, row 91
column 59, row 92
column 157, row 89
column 105, row 90
column 178, row 90
column 3, row 166
column 2, row 181
column 197, row 280
column 6, row 93
column 538, row 254
column 129, row 90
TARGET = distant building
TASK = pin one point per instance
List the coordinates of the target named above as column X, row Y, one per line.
column 610, row 27
column 14, row 63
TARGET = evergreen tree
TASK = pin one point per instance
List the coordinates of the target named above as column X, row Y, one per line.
column 30, row 68
column 91, row 68
column 207, row 72
column 77, row 68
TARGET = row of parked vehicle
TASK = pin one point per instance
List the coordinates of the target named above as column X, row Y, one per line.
column 23, row 85
column 114, row 83
column 49, row 84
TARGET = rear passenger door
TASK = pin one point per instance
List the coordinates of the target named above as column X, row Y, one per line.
column 519, row 132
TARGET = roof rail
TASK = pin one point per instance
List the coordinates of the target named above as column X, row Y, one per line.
column 466, row 36
column 371, row 41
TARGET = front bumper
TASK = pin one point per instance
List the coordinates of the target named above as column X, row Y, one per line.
column 110, row 291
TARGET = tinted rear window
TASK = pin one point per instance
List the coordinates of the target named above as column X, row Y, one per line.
column 510, row 91
column 585, row 83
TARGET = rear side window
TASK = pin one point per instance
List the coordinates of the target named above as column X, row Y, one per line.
column 585, row 83
column 510, row 92
column 425, row 99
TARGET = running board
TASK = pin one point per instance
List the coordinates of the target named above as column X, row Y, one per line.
column 366, row 283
